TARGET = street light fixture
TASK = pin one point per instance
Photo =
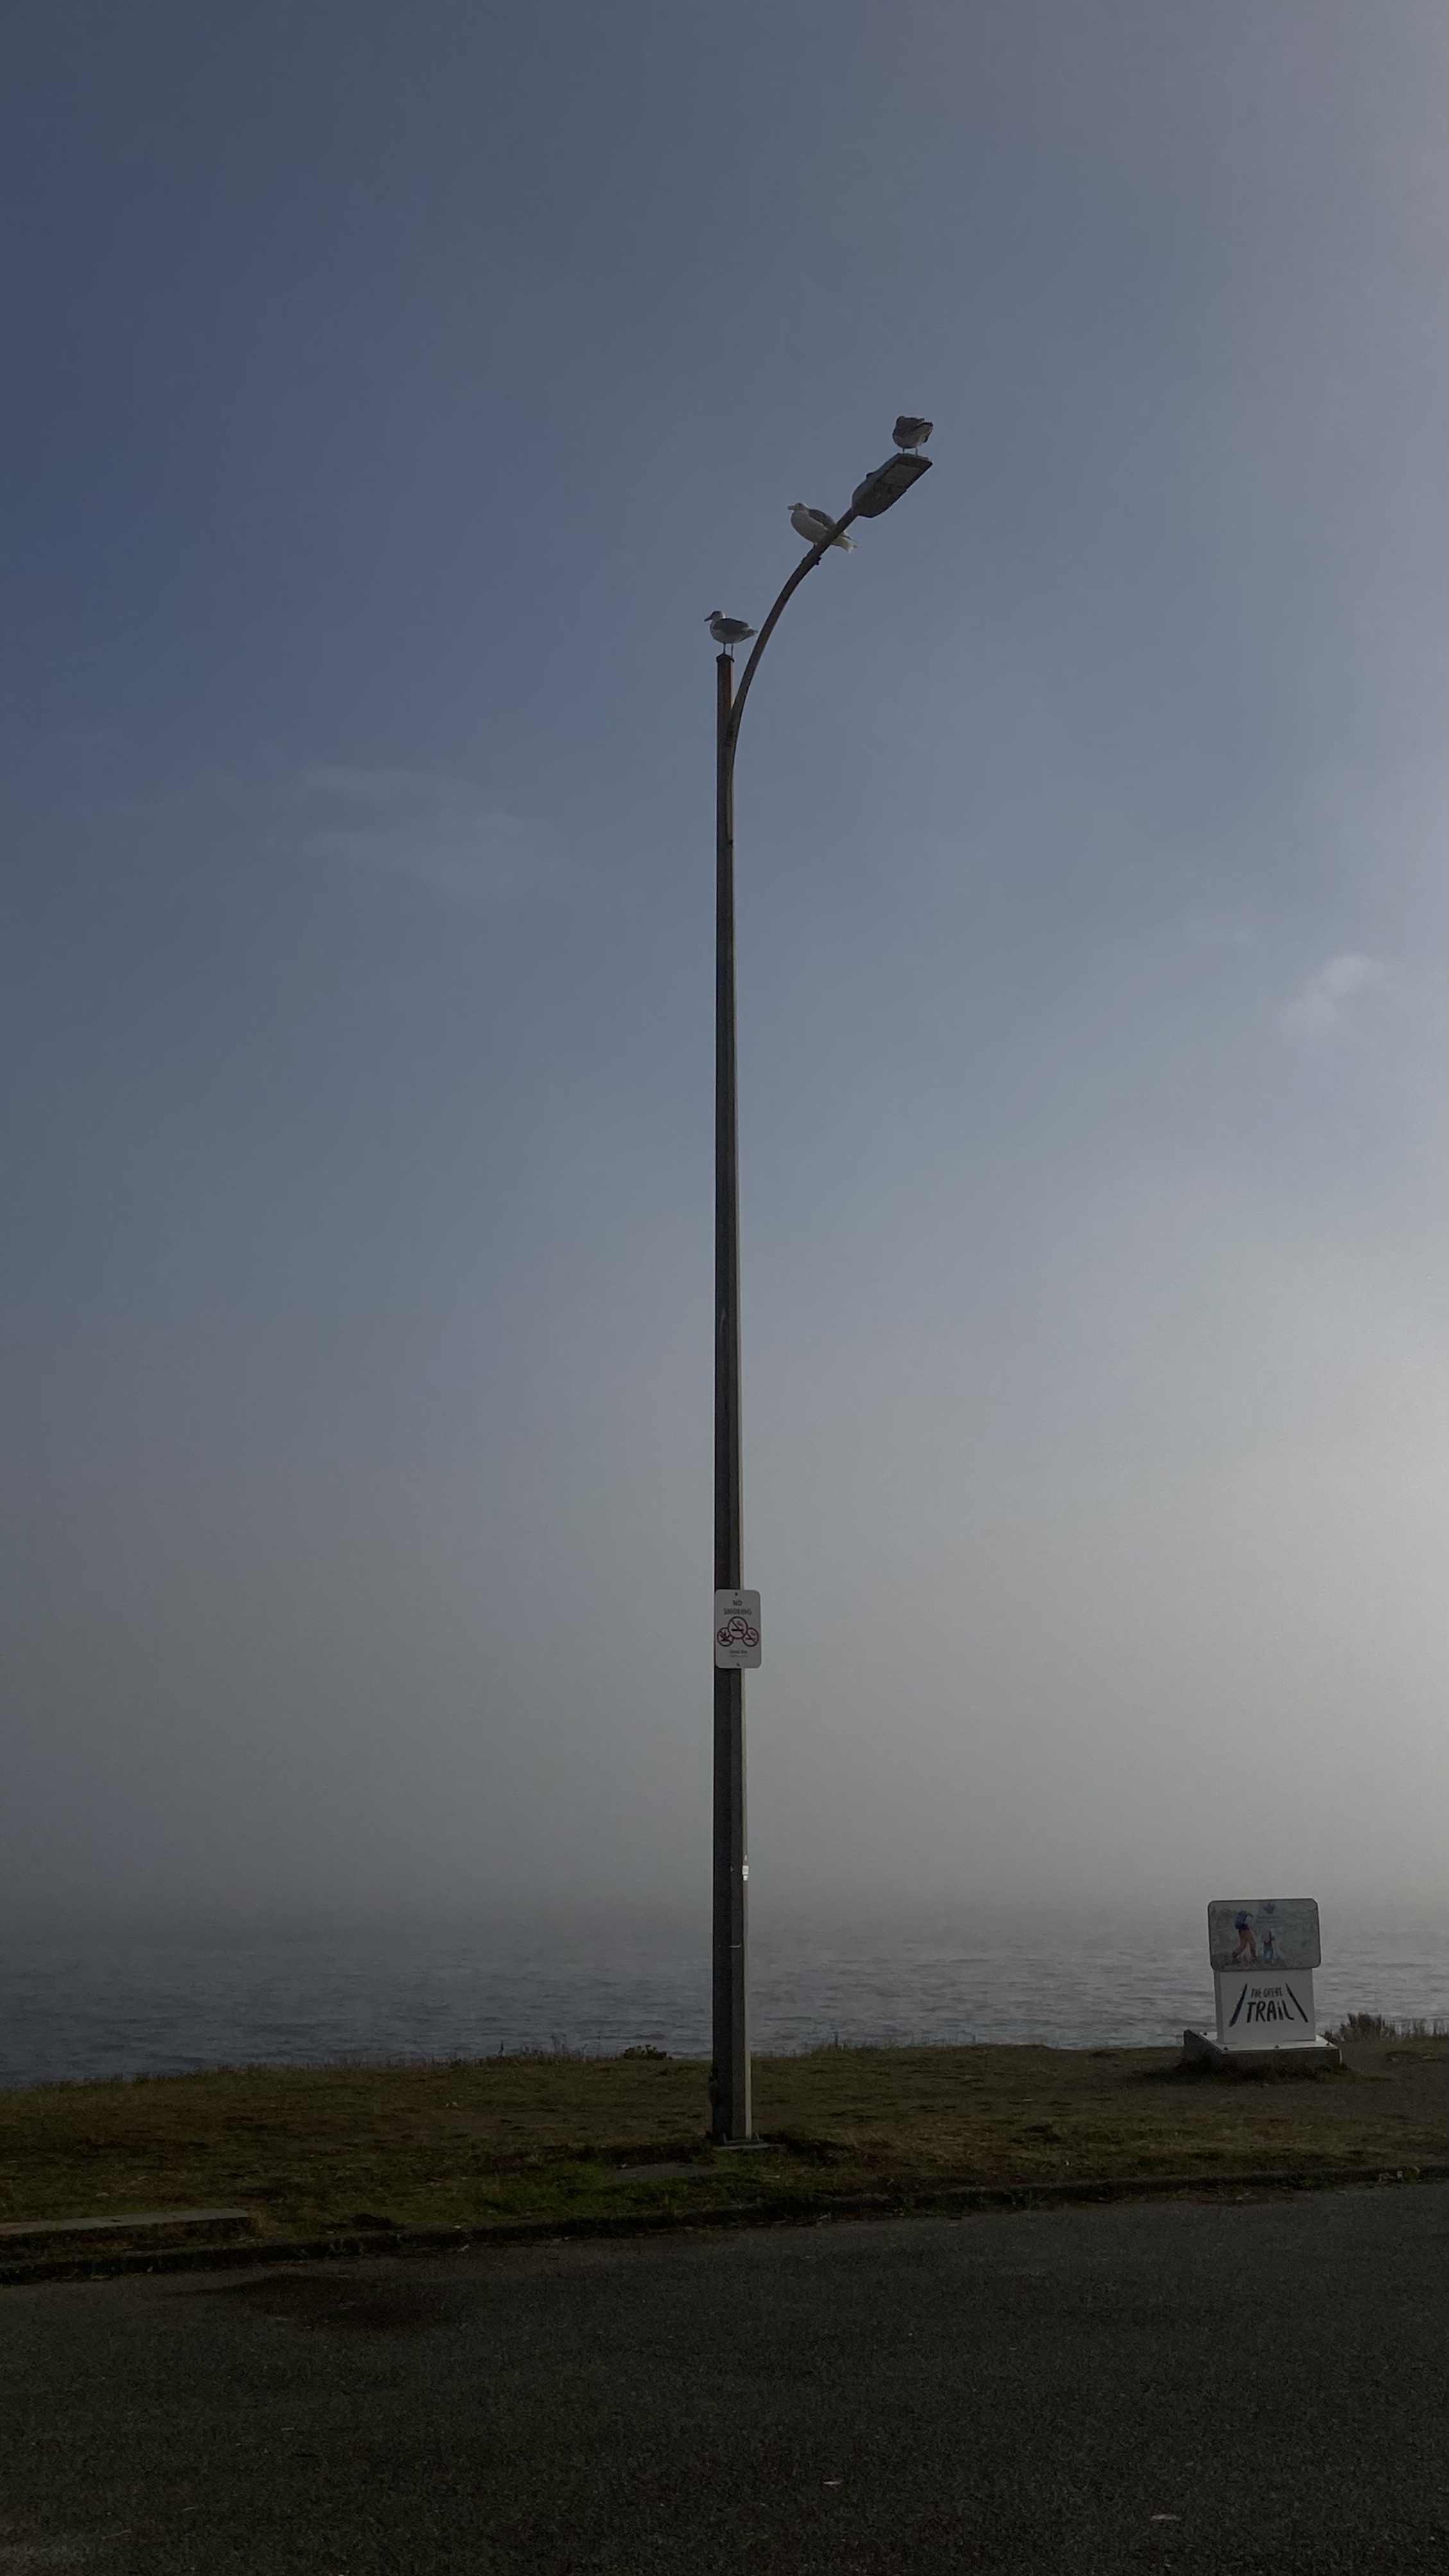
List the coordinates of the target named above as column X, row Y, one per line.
column 731, row 2120
column 887, row 484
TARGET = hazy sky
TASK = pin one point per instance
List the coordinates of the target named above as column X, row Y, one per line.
column 394, row 389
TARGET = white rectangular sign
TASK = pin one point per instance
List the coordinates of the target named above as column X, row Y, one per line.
column 736, row 1631
column 1259, row 2010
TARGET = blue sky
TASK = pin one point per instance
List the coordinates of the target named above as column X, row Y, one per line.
column 398, row 389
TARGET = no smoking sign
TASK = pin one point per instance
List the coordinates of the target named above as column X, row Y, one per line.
column 736, row 1631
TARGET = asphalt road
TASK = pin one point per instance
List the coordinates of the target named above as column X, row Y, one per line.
column 1181, row 2387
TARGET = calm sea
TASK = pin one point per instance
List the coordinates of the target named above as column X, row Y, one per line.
column 169, row 2004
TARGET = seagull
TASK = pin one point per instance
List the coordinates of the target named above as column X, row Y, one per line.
column 911, row 432
column 814, row 526
column 728, row 631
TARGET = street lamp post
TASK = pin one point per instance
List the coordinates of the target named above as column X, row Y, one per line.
column 731, row 2120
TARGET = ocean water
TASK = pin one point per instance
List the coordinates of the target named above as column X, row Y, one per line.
column 172, row 2003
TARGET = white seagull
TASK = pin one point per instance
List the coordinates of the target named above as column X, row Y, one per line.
column 911, row 432
column 814, row 526
column 728, row 631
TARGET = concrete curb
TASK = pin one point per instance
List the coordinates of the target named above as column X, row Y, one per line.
column 44, row 2233
column 784, row 2210
column 1316, row 2057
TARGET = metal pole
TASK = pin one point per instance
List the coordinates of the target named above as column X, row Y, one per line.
column 730, row 2112
column 731, row 2121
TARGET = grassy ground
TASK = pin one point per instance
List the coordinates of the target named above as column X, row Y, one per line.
column 544, row 2138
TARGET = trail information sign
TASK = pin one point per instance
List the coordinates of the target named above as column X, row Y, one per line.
column 1264, row 1950
column 737, row 1631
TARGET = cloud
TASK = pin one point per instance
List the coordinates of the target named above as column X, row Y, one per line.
column 1205, row 932
column 84, row 741
column 1317, row 1011
column 438, row 830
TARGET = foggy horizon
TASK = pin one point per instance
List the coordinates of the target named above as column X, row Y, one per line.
column 394, row 402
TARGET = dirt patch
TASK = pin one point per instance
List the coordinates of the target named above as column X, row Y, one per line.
column 390, row 2302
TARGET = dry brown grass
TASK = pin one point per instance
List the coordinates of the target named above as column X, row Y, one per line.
column 499, row 2139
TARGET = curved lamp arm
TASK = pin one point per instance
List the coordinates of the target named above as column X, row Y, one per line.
column 806, row 564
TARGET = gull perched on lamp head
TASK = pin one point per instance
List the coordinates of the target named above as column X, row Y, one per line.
column 728, row 631
column 910, row 431
column 814, row 527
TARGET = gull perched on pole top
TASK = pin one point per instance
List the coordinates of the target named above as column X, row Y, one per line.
column 910, row 431
column 813, row 526
column 728, row 631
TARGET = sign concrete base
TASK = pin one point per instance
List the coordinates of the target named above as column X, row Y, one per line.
column 1308, row 2055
